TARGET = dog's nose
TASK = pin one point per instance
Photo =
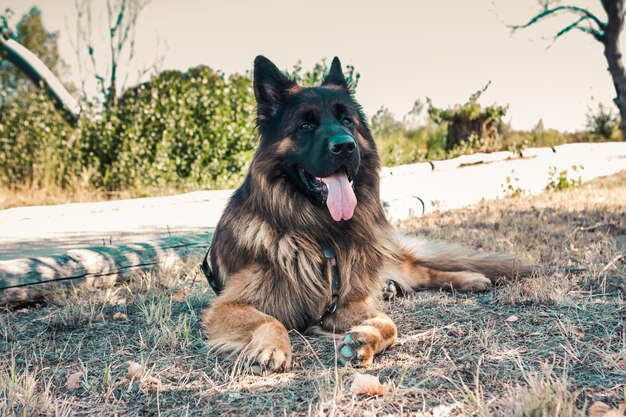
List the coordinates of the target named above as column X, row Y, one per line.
column 341, row 144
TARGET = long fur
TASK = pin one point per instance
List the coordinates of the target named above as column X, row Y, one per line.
column 446, row 256
column 266, row 259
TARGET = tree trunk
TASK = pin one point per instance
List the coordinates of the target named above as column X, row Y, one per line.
column 461, row 131
column 25, row 281
column 34, row 68
column 610, row 40
column 616, row 68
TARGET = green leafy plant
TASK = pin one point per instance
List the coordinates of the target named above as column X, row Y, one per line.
column 603, row 122
column 560, row 180
column 511, row 186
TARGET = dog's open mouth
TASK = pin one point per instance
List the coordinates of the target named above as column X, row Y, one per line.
column 335, row 190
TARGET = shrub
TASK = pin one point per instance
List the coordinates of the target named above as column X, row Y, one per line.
column 37, row 147
column 603, row 122
column 180, row 130
column 400, row 142
column 469, row 126
column 561, row 180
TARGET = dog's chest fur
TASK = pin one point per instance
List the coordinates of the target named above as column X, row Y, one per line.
column 287, row 275
column 302, row 280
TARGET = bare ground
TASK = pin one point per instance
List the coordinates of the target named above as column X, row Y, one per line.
column 549, row 345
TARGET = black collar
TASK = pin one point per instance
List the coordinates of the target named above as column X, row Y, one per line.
column 329, row 254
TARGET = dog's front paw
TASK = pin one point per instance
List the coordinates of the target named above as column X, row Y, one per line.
column 266, row 360
column 357, row 348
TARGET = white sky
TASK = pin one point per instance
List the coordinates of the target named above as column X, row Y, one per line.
column 404, row 49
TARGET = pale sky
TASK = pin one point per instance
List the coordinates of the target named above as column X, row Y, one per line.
column 404, row 50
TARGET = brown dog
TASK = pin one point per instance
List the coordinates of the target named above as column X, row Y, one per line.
column 304, row 242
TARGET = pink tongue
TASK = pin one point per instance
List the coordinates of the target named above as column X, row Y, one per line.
column 341, row 200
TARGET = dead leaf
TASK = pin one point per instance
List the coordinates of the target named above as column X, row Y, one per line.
column 120, row 316
column 136, row 373
column 512, row 319
column 180, row 296
column 134, row 370
column 367, row 384
column 74, row 380
column 600, row 409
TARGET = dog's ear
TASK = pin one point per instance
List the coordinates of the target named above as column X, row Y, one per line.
column 335, row 75
column 270, row 85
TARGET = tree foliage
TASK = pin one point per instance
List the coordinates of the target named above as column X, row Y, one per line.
column 602, row 122
column 315, row 75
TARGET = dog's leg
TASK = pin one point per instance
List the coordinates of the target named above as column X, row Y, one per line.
column 409, row 274
column 421, row 263
column 369, row 332
column 238, row 327
column 426, row 264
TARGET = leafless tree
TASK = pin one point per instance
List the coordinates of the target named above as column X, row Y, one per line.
column 121, row 17
column 606, row 32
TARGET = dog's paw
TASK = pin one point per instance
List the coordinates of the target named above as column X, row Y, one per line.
column 390, row 291
column 356, row 348
column 473, row 282
column 268, row 360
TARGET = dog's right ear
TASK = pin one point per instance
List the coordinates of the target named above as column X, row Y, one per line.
column 270, row 86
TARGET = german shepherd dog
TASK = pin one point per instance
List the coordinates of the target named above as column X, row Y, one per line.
column 304, row 242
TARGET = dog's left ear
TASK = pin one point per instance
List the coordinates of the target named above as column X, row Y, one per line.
column 335, row 75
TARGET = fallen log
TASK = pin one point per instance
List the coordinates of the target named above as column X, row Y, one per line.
column 40, row 74
column 27, row 280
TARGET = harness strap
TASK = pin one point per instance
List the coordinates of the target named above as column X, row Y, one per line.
column 206, row 269
column 330, row 255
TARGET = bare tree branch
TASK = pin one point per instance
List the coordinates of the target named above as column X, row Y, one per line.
column 576, row 25
column 606, row 33
column 547, row 12
column 110, row 65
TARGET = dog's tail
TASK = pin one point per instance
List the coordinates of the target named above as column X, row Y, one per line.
column 450, row 257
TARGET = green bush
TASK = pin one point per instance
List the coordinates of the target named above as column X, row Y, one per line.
column 400, row 142
column 37, row 147
column 603, row 124
column 182, row 130
column 562, row 180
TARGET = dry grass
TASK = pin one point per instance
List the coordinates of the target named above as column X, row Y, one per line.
column 457, row 354
column 43, row 196
column 27, row 195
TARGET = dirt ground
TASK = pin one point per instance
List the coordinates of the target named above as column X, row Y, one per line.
column 549, row 345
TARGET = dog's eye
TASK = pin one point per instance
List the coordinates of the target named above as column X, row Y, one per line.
column 306, row 126
column 346, row 121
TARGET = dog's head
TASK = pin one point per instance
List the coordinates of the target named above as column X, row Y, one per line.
column 317, row 135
